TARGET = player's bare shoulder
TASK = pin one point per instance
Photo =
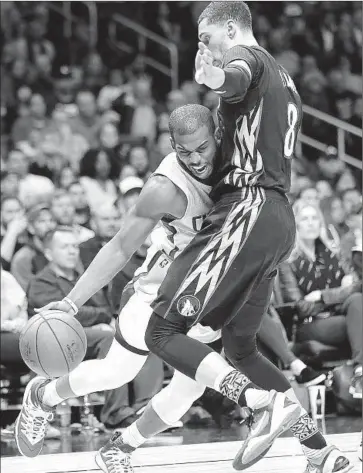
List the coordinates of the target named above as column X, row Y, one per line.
column 160, row 197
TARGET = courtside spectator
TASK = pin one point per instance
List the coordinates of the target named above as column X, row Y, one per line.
column 329, row 302
column 13, row 319
column 58, row 278
column 30, row 259
column 13, row 229
column 64, row 213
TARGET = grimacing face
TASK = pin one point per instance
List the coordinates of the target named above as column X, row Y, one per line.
column 215, row 37
column 197, row 151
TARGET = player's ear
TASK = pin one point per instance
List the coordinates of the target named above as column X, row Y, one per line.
column 172, row 142
column 231, row 29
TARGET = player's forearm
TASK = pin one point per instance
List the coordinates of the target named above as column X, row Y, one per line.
column 235, row 84
column 107, row 263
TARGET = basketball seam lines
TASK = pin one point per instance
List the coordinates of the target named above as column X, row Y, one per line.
column 36, row 348
column 60, row 346
column 70, row 326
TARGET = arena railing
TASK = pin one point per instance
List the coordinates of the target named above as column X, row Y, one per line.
column 341, row 128
column 65, row 10
column 143, row 35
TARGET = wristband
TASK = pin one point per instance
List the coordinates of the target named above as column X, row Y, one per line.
column 72, row 304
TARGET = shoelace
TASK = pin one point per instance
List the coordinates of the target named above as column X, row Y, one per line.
column 118, row 461
column 34, row 423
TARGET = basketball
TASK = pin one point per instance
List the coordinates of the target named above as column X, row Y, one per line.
column 53, row 343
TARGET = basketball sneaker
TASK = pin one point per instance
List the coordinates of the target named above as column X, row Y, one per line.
column 268, row 422
column 32, row 422
column 115, row 456
column 328, row 460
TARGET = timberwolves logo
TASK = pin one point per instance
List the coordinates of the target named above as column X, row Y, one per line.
column 188, row 306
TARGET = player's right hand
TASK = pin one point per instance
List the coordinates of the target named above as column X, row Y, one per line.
column 58, row 305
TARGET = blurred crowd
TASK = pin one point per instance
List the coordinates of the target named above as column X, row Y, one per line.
column 79, row 139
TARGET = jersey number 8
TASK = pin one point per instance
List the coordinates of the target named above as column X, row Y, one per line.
column 291, row 133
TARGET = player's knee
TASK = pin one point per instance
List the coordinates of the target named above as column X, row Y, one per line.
column 237, row 351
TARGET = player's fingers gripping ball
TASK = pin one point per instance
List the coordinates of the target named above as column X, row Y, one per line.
column 53, row 343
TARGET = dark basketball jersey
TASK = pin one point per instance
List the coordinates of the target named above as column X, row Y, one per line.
column 259, row 131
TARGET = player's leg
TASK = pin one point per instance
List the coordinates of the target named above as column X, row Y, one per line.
column 225, row 261
column 239, row 342
column 122, row 363
column 165, row 408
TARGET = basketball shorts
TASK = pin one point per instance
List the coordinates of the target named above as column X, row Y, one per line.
column 133, row 320
column 246, row 235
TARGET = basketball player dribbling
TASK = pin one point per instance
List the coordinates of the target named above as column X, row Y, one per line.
column 224, row 278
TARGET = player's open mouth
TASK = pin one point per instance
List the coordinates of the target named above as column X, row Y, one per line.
column 199, row 169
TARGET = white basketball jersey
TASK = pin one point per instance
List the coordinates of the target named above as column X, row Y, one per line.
column 171, row 236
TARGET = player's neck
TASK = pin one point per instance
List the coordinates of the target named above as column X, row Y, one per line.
column 245, row 39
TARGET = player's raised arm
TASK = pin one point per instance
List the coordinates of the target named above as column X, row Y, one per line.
column 158, row 198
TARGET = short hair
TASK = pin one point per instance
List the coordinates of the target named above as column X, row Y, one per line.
column 188, row 119
column 49, row 236
column 221, row 12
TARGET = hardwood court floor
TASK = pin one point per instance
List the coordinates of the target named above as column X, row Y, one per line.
column 284, row 457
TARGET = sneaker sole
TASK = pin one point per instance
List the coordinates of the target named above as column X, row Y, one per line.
column 261, row 449
column 16, row 427
column 315, row 381
column 100, row 463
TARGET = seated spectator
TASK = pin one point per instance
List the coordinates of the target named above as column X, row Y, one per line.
column 32, row 188
column 79, row 198
column 94, row 73
column 98, row 171
column 36, row 120
column 139, row 160
column 87, row 122
column 106, row 222
column 273, row 335
column 66, row 178
column 9, row 184
column 58, row 278
column 329, row 302
column 334, row 217
column 13, row 319
column 13, row 229
column 352, row 201
column 324, row 189
column 64, row 213
column 96, row 316
column 143, row 122
column 351, row 243
column 114, row 88
column 310, row 195
column 130, row 189
column 30, row 259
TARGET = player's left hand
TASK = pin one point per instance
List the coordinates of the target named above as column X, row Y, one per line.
column 314, row 296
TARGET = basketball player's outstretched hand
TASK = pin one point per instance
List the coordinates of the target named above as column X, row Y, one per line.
column 58, row 305
column 203, row 64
